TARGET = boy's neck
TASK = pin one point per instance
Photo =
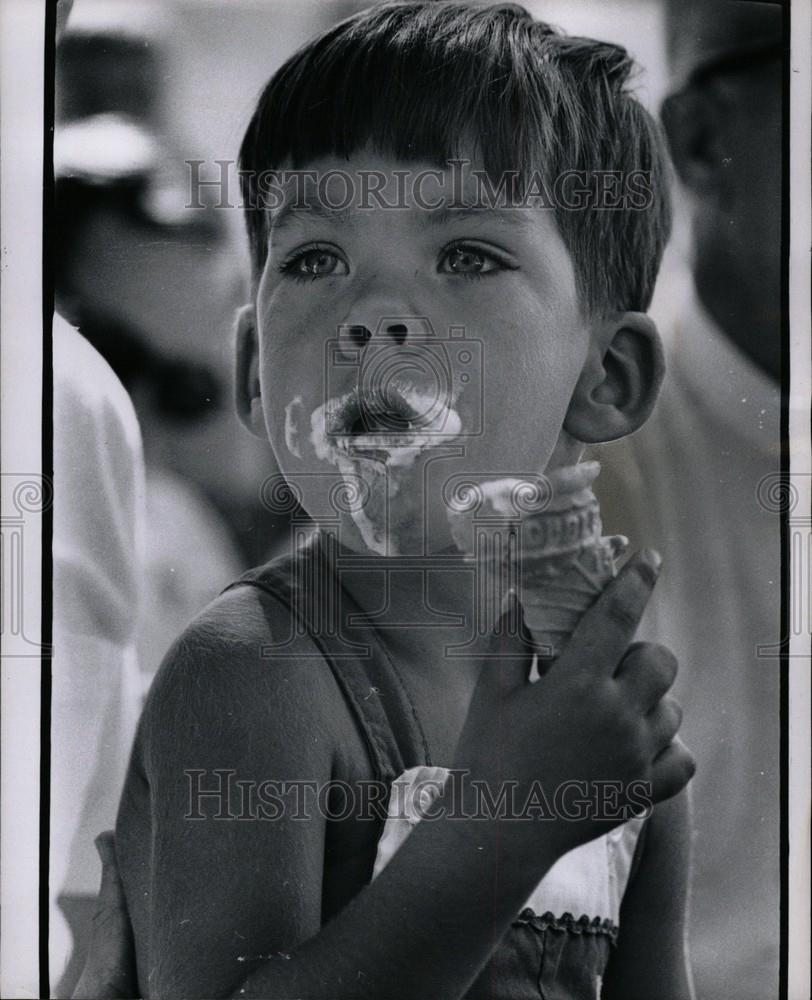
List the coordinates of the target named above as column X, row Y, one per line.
column 419, row 605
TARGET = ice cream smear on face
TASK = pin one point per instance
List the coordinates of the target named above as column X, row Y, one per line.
column 544, row 540
column 376, row 440
column 292, row 427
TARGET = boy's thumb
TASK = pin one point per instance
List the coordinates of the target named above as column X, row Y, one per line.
column 506, row 663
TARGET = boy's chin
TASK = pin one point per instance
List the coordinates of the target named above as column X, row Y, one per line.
column 386, row 510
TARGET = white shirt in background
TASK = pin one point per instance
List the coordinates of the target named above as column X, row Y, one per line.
column 97, row 541
column 688, row 484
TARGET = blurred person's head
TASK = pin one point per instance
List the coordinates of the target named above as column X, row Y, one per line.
column 150, row 280
column 111, row 54
column 723, row 121
column 551, row 291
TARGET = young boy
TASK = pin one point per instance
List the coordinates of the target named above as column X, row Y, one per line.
column 473, row 312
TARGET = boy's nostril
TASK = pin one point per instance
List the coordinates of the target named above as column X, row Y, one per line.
column 399, row 330
column 359, row 335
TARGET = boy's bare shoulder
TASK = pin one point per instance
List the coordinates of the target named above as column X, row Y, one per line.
column 231, row 676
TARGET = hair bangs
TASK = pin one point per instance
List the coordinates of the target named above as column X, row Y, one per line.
column 420, row 83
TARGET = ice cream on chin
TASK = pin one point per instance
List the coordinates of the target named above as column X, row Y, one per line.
column 543, row 538
column 386, row 459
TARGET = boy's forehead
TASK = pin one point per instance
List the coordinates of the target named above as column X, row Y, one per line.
column 342, row 191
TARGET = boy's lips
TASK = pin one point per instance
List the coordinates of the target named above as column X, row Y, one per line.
column 393, row 428
column 357, row 416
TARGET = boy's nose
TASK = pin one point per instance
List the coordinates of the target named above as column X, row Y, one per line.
column 354, row 336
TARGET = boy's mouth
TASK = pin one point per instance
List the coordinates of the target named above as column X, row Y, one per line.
column 392, row 427
column 358, row 417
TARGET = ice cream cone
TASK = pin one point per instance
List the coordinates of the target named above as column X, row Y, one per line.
column 544, row 541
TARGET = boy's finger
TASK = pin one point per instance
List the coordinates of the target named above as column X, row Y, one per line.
column 647, row 670
column 664, row 722
column 671, row 771
column 603, row 634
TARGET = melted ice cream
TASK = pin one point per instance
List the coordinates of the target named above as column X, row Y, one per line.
column 380, row 459
column 292, row 428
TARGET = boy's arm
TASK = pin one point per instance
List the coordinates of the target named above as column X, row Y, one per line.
column 225, row 879
column 651, row 959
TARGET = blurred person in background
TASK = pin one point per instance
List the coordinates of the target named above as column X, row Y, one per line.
column 129, row 567
column 97, row 589
column 153, row 285
column 691, row 482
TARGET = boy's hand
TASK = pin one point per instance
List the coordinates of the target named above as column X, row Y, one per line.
column 600, row 714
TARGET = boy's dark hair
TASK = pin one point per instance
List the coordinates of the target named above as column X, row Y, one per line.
column 430, row 81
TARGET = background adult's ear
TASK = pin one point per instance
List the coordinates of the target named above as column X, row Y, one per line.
column 620, row 380
column 695, row 125
column 247, row 387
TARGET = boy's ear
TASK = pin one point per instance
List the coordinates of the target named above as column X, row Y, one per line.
column 619, row 383
column 248, row 395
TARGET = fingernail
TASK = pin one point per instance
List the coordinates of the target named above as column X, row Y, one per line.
column 653, row 558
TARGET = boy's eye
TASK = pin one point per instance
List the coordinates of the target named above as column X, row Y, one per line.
column 317, row 262
column 467, row 260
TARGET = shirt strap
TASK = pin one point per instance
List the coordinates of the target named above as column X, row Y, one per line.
column 308, row 600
